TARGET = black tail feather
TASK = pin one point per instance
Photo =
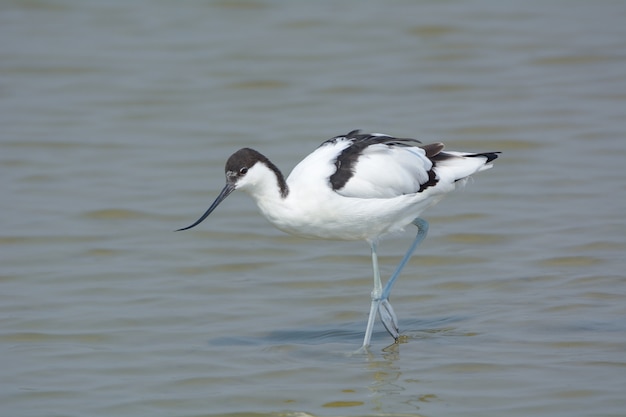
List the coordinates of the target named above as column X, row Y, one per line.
column 489, row 155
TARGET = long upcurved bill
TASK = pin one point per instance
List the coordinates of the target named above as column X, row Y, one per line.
column 229, row 188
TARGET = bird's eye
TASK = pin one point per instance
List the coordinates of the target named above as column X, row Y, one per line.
column 243, row 171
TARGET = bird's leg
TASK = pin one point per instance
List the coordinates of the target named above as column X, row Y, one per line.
column 380, row 295
column 389, row 318
column 422, row 230
column 387, row 315
column 376, row 292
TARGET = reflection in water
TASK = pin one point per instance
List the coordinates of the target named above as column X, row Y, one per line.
column 388, row 381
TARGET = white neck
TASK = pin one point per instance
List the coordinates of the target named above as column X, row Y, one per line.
column 263, row 184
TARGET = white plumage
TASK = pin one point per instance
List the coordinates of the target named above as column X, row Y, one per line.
column 354, row 187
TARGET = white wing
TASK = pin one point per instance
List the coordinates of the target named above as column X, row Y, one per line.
column 380, row 166
column 387, row 171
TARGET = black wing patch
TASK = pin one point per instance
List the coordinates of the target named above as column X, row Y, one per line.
column 346, row 160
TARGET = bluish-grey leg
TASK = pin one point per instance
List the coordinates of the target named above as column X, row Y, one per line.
column 385, row 311
column 376, row 292
column 389, row 318
column 380, row 295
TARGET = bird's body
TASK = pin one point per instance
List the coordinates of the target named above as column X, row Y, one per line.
column 383, row 192
column 353, row 187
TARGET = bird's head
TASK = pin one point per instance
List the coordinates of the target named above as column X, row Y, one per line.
column 244, row 170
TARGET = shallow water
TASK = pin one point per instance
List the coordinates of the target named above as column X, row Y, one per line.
column 117, row 119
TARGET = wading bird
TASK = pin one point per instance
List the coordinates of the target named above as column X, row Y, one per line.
column 354, row 187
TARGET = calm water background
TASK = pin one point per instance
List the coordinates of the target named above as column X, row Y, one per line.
column 116, row 119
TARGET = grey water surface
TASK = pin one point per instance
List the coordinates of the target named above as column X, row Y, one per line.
column 116, row 119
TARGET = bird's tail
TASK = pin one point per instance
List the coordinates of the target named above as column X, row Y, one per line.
column 460, row 165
